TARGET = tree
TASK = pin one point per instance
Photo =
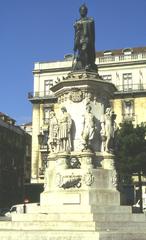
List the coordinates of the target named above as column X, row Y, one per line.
column 130, row 152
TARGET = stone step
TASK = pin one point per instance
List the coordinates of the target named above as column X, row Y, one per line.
column 129, row 226
column 48, row 225
column 121, row 235
column 69, row 235
column 102, row 217
column 72, row 208
column 48, row 235
column 126, row 226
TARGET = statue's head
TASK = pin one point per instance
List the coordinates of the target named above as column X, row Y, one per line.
column 88, row 108
column 63, row 109
column 52, row 114
column 83, row 10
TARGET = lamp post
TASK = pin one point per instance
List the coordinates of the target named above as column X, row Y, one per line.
column 40, row 138
column 140, row 191
column 24, row 205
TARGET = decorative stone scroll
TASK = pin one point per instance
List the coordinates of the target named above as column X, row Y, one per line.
column 68, row 181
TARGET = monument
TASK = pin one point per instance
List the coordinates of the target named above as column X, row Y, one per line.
column 80, row 199
column 84, row 42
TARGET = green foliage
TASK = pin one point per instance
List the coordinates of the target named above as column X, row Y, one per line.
column 130, row 149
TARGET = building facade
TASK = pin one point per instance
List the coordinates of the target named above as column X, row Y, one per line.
column 14, row 157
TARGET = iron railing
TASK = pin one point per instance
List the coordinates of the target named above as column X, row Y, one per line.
column 120, row 58
column 40, row 94
column 131, row 88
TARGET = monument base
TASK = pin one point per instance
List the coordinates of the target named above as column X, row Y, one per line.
column 90, row 210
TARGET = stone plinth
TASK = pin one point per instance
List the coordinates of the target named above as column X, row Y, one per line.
column 81, row 187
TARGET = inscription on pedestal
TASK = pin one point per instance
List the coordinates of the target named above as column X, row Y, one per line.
column 71, row 198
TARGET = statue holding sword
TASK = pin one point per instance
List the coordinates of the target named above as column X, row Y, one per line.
column 84, row 42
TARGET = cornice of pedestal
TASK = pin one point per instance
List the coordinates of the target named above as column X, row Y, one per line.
column 83, row 81
column 105, row 155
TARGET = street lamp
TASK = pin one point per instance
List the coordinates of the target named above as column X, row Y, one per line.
column 40, row 138
column 24, row 205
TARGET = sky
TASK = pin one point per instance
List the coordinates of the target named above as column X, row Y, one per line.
column 42, row 30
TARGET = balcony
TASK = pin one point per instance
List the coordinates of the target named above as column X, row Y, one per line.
column 41, row 97
column 121, row 58
column 131, row 89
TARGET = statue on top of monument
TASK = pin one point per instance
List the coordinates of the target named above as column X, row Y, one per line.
column 84, row 42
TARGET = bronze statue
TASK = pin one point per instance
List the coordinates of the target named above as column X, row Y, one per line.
column 84, row 43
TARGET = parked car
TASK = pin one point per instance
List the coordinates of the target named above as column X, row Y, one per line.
column 3, row 211
column 23, row 208
column 137, row 205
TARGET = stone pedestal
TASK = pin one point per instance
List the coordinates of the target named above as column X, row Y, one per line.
column 81, row 187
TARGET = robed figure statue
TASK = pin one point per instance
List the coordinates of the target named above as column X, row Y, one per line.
column 84, row 42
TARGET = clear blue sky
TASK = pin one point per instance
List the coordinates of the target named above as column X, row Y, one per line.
column 42, row 30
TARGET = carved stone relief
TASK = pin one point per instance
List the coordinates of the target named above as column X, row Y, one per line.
column 88, row 178
column 76, row 96
column 68, row 181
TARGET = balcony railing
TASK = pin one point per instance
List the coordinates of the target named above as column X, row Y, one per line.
column 40, row 95
column 131, row 88
column 121, row 58
column 106, row 59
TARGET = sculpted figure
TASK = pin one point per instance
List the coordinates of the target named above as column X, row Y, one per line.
column 53, row 132
column 84, row 43
column 108, row 129
column 88, row 128
column 64, row 134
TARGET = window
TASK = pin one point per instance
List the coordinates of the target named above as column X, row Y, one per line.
column 47, row 85
column 107, row 77
column 46, row 115
column 44, row 160
column 127, row 51
column 107, row 53
column 127, row 81
column 128, row 109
